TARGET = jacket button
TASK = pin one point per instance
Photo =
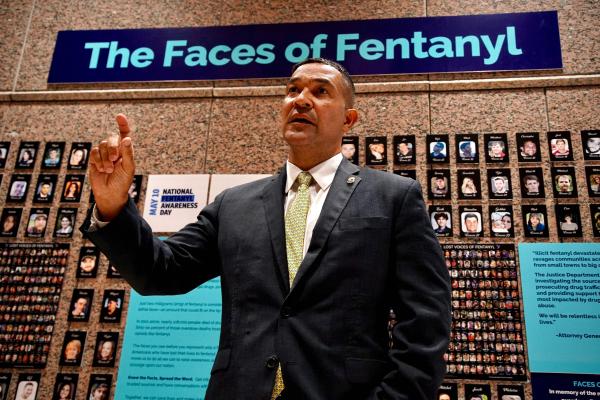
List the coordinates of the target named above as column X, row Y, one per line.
column 272, row 362
column 286, row 312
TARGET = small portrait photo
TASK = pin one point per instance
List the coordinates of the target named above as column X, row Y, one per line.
column 106, row 349
column 349, row 150
column 511, row 392
column 404, row 149
column 569, row 220
column 469, row 184
column 26, row 155
column 4, row 150
column 529, row 147
column 437, row 146
column 73, row 188
column 501, row 221
column 499, row 184
column 591, row 144
column 535, row 221
column 27, row 387
column 72, row 348
column 496, row 147
column 478, row 392
column 135, row 188
column 78, row 156
column 10, row 220
column 65, row 222
column 112, row 305
column 65, row 387
column 441, row 220
column 564, row 183
column 44, row 189
column 560, row 146
column 19, row 186
column 81, row 304
column 53, row 155
column 112, row 272
column 595, row 213
column 99, row 387
column 470, row 221
column 593, row 181
column 38, row 220
column 466, row 148
column 407, row 173
column 88, row 262
column 439, row 183
column 4, row 385
column 376, row 150
column 447, row 391
column 532, row 183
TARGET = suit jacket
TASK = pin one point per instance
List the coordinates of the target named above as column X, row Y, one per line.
column 372, row 249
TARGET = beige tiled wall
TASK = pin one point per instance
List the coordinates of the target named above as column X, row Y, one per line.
column 237, row 131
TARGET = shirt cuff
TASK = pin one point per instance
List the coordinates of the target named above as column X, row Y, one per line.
column 95, row 222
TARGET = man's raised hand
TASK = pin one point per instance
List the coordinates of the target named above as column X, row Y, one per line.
column 112, row 169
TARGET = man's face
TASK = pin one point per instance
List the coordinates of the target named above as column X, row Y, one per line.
column 441, row 221
column 348, row 150
column 87, row 264
column 529, row 148
column 564, row 183
column 593, row 144
column 313, row 113
column 112, row 306
column 53, row 154
column 80, row 305
column 438, row 148
column 45, row 189
column 440, row 183
column 471, row 224
column 499, row 185
column 532, row 186
column 561, row 145
column 403, row 147
column 444, row 397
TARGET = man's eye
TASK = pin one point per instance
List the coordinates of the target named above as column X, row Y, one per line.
column 292, row 89
column 323, row 91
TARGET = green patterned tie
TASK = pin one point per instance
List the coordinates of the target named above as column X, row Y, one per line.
column 295, row 227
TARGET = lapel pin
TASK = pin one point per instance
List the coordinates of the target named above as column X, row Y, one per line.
column 351, row 179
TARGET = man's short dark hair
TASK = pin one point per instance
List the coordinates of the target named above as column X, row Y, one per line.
column 471, row 215
column 350, row 90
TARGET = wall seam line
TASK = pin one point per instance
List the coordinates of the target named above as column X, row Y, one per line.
column 210, row 112
column 18, row 71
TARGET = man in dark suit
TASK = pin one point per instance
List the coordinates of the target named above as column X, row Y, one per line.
column 310, row 308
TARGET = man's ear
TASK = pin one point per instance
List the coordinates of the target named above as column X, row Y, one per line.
column 351, row 119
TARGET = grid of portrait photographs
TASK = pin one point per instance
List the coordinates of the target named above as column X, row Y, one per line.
column 31, row 276
column 487, row 333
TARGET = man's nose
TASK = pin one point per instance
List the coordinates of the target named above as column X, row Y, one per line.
column 303, row 100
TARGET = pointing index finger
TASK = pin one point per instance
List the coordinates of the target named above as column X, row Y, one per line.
column 123, row 126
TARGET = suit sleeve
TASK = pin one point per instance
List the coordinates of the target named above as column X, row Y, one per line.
column 152, row 266
column 421, row 300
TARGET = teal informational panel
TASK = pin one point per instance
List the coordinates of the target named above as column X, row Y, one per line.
column 561, row 297
column 170, row 345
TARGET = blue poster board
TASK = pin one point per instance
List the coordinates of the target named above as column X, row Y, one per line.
column 561, row 297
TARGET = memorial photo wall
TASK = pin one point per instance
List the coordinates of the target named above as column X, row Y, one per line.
column 45, row 192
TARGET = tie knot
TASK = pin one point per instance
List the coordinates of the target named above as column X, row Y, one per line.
column 304, row 178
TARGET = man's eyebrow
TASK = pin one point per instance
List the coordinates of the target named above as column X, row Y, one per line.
column 319, row 80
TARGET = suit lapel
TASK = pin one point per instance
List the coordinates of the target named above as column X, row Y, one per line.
column 273, row 200
column 345, row 181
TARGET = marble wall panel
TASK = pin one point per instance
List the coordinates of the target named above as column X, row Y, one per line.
column 14, row 16
column 577, row 21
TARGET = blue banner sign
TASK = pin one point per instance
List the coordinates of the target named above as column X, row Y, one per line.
column 497, row 42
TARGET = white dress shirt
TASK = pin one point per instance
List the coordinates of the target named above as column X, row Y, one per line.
column 322, row 178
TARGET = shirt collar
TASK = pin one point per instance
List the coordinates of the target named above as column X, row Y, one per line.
column 322, row 173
